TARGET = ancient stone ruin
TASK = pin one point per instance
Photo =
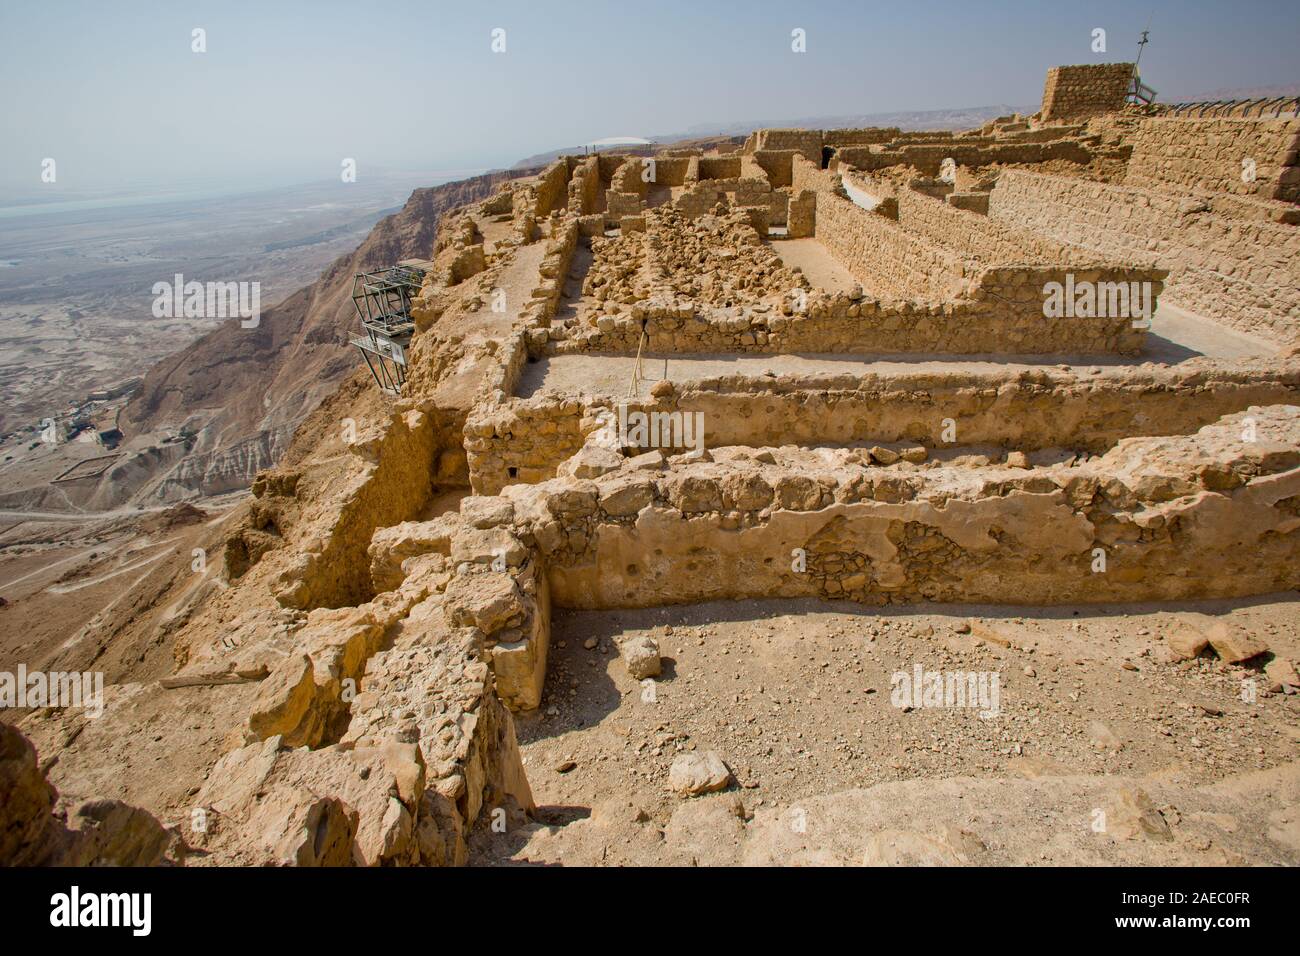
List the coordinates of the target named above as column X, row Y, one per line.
column 1050, row 361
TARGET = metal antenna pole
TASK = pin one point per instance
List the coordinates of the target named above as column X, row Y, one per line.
column 1141, row 43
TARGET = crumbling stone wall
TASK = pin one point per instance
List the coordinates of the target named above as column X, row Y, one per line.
column 1243, row 157
column 1035, row 411
column 1077, row 92
column 1177, row 518
column 552, row 189
column 584, row 187
column 888, row 260
column 555, row 267
column 523, row 441
column 928, row 158
column 869, row 136
column 1245, row 272
column 978, row 238
column 703, row 195
column 776, row 165
column 801, row 214
column 719, row 167
column 806, row 142
column 400, row 469
column 671, row 170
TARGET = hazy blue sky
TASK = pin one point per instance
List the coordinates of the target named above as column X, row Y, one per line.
column 286, row 90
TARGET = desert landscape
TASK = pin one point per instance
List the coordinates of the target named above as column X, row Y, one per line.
column 683, row 493
column 793, row 496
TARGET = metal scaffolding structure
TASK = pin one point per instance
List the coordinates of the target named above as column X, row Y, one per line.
column 383, row 303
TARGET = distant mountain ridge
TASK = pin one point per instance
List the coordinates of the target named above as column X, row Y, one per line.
column 240, row 393
column 960, row 118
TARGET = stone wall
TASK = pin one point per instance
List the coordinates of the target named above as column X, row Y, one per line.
column 889, row 261
column 1244, row 157
column 1245, row 273
column 981, row 239
column 1037, row 410
column 928, row 157
column 523, row 440
column 866, row 136
column 552, row 189
column 807, row 142
column 1207, row 515
column 555, row 267
column 1077, row 92
column 801, row 214
column 671, row 170
column 719, row 167
column 776, row 164
column 401, row 770
column 584, row 187
column 400, row 469
column 1004, row 315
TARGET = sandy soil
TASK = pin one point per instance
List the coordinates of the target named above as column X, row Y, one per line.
column 796, row 698
column 822, row 269
column 1176, row 337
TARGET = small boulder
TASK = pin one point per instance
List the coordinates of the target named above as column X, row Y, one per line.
column 695, row 773
column 1282, row 671
column 641, row 655
column 1185, row 642
column 1231, row 643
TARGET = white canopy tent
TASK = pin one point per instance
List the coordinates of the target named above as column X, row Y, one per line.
column 609, row 141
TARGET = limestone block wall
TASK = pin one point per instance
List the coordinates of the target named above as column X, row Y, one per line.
column 397, row 474
column 1207, row 515
column 628, row 178
column 719, row 167
column 1189, row 154
column 701, row 196
column 801, row 214
column 584, row 187
column 808, row 175
column 888, row 260
column 400, row 772
column 981, row 239
column 1004, row 315
column 1035, row 411
column 1077, row 92
column 1245, row 273
column 477, row 575
column 552, row 189
column 620, row 204
column 523, row 440
column 929, row 157
column 807, row 142
column 776, row 164
column 671, row 170
column 555, row 267
column 609, row 164
column 863, row 136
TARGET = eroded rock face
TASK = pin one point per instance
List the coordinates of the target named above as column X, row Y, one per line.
column 101, row 832
column 28, row 836
column 385, row 737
